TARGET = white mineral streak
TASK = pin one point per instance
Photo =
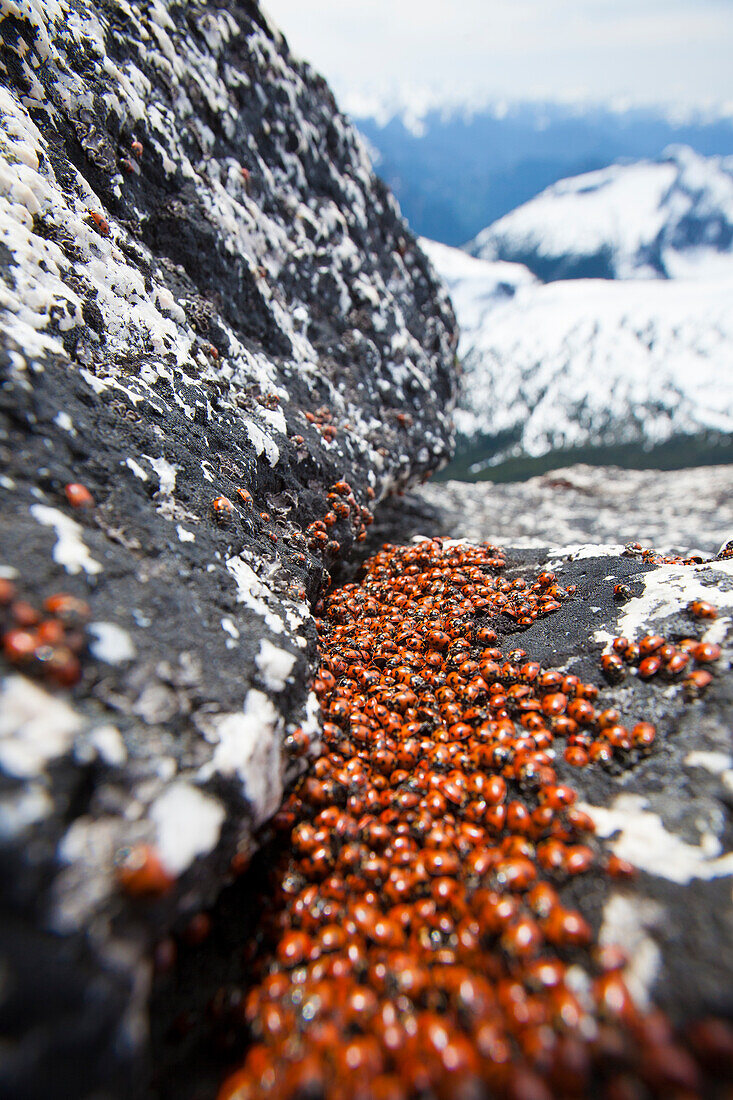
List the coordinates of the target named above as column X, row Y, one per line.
column 253, row 593
column 718, row 629
column 311, row 724
column 88, row 848
column 184, row 535
column 166, row 474
column 715, row 762
column 22, row 808
column 643, row 840
column 35, row 727
column 625, row 923
column 579, row 552
column 69, row 551
column 274, row 664
column 228, row 625
column 136, row 469
column 188, row 824
column 107, row 740
column 262, row 443
column 112, row 643
column 248, row 747
column 668, row 589
column 64, row 421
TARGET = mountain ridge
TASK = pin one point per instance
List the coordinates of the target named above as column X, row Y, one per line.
column 455, row 172
column 663, row 218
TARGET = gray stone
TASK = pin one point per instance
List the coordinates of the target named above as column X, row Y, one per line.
column 672, row 510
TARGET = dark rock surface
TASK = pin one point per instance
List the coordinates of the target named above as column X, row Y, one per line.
column 668, row 812
column 205, row 293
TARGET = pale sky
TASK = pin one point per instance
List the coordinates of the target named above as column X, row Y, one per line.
column 650, row 50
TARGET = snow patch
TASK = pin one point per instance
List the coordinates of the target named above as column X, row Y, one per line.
column 630, row 218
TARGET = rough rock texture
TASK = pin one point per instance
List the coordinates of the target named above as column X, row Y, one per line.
column 669, row 813
column 205, row 293
column 679, row 511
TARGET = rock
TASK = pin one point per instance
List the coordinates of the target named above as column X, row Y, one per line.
column 680, row 511
column 668, row 812
column 212, row 316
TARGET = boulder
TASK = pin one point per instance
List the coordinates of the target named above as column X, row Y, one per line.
column 220, row 348
column 667, row 811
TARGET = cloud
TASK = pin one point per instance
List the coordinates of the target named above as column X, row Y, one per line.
column 658, row 49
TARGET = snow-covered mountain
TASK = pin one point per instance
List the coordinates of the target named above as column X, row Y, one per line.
column 667, row 218
column 640, row 357
column 592, row 363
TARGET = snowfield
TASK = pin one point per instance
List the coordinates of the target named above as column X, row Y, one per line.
column 476, row 286
column 592, row 362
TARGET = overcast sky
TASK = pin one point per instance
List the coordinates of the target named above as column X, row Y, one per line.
column 651, row 50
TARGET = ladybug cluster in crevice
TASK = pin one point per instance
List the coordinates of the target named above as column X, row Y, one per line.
column 45, row 643
column 417, row 945
column 343, row 508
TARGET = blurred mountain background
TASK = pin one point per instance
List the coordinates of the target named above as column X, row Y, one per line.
column 456, row 171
